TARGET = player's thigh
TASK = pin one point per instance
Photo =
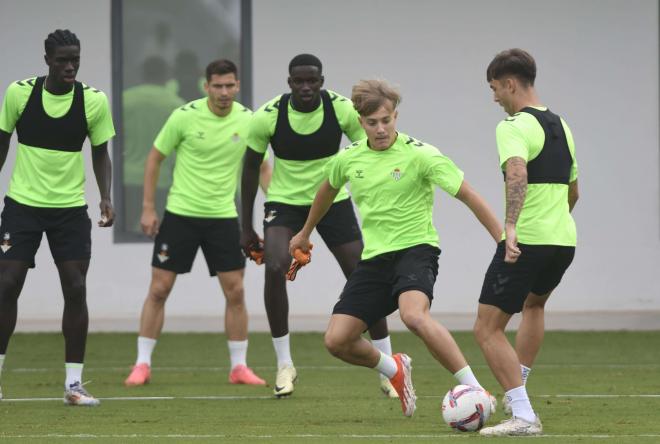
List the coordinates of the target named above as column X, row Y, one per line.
column 549, row 277
column 416, row 268
column 69, row 233
column 339, row 225
column 506, row 285
column 277, row 214
column 221, row 245
column 367, row 294
column 176, row 243
column 21, row 232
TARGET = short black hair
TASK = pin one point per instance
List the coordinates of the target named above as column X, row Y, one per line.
column 305, row 60
column 221, row 67
column 60, row 37
column 513, row 62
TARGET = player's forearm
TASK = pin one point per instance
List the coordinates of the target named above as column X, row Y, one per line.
column 573, row 195
column 151, row 174
column 516, row 189
column 265, row 174
column 4, row 147
column 325, row 196
column 102, row 169
column 480, row 209
column 249, row 186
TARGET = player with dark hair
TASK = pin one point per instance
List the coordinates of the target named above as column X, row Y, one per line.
column 209, row 136
column 304, row 129
column 537, row 157
column 392, row 178
column 53, row 115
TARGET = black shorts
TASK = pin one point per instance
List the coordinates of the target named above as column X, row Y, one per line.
column 538, row 270
column 179, row 237
column 69, row 232
column 372, row 290
column 339, row 225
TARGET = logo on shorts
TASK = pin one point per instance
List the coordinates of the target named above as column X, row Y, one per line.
column 272, row 214
column 396, row 174
column 236, row 138
column 6, row 244
column 163, row 255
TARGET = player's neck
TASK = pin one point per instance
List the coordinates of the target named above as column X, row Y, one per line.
column 55, row 88
column 220, row 112
column 527, row 98
column 305, row 108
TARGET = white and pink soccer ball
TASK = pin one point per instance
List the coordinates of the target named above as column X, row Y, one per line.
column 466, row 408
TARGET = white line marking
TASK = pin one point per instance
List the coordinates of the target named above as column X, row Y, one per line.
column 303, row 436
column 321, row 367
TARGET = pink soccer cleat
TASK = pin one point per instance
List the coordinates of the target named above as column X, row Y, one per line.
column 140, row 375
column 242, row 374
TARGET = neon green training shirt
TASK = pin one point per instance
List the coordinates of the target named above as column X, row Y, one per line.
column 51, row 178
column 295, row 182
column 209, row 153
column 393, row 190
column 545, row 218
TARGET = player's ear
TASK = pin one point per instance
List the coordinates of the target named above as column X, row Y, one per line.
column 322, row 80
column 238, row 85
column 206, row 86
column 288, row 81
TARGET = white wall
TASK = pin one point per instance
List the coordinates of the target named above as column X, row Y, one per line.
column 598, row 67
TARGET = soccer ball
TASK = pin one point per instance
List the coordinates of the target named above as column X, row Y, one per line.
column 466, row 408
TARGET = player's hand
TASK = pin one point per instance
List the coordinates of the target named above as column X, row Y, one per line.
column 255, row 252
column 512, row 252
column 299, row 242
column 107, row 213
column 149, row 222
column 300, row 259
column 249, row 240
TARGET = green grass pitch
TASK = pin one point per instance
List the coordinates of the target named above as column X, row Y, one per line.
column 587, row 387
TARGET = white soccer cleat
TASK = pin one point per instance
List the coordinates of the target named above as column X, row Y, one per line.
column 506, row 406
column 76, row 394
column 387, row 388
column 514, row 427
column 286, row 377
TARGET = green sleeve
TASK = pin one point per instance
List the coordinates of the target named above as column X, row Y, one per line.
column 171, row 134
column 571, row 147
column 262, row 126
column 334, row 171
column 99, row 118
column 347, row 117
column 13, row 104
column 510, row 141
column 441, row 170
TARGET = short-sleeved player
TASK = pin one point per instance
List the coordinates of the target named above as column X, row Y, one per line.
column 304, row 128
column 537, row 157
column 52, row 116
column 209, row 137
column 392, row 178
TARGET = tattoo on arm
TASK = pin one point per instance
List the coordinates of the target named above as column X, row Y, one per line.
column 516, row 188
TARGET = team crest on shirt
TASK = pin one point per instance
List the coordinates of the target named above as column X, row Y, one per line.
column 396, row 174
column 164, row 254
column 235, row 138
column 272, row 214
column 6, row 242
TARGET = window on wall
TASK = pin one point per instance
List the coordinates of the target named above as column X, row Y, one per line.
column 160, row 51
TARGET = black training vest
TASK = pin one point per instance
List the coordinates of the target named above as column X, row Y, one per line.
column 35, row 128
column 553, row 164
column 289, row 145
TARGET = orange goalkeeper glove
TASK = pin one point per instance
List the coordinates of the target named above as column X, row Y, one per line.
column 300, row 259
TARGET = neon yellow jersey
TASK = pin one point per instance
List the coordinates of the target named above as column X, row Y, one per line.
column 209, row 152
column 295, row 182
column 45, row 177
column 394, row 190
column 545, row 218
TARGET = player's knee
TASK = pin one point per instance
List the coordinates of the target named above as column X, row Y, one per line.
column 9, row 286
column 277, row 268
column 235, row 295
column 482, row 331
column 334, row 344
column 414, row 321
column 159, row 291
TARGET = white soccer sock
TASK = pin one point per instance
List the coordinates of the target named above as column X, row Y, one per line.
column 520, row 404
column 237, row 352
column 525, row 373
column 73, row 373
column 386, row 365
column 465, row 376
column 2, row 361
column 145, row 349
column 384, row 345
column 283, row 351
